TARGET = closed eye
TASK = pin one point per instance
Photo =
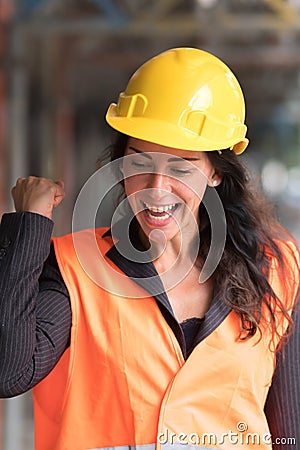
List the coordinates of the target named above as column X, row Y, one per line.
column 140, row 164
column 181, row 172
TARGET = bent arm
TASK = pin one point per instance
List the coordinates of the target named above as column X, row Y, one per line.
column 283, row 403
column 35, row 315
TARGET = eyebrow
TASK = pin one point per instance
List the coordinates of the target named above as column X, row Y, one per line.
column 172, row 159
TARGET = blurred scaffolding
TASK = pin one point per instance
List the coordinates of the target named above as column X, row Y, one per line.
column 63, row 62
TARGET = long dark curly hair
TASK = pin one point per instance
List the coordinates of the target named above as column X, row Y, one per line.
column 255, row 240
column 254, row 237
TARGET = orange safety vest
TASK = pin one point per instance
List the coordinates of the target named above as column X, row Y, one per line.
column 124, row 382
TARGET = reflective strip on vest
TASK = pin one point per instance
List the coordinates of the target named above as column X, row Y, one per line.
column 178, row 446
column 126, row 447
column 167, row 446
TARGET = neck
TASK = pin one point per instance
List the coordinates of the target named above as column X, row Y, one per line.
column 173, row 259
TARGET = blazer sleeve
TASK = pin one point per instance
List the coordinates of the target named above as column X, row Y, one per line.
column 35, row 310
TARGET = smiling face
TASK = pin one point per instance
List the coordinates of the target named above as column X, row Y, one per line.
column 165, row 186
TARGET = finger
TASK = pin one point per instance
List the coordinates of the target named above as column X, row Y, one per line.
column 58, row 199
column 60, row 183
column 19, row 181
column 59, row 188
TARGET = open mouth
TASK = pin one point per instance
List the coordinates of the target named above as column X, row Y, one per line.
column 161, row 212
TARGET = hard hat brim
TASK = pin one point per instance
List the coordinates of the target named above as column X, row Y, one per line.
column 168, row 135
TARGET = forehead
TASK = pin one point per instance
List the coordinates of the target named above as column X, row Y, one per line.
column 145, row 146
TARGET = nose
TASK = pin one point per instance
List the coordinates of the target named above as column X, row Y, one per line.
column 158, row 184
column 158, row 181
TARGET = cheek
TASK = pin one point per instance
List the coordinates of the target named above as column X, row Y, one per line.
column 132, row 185
column 193, row 192
column 193, row 202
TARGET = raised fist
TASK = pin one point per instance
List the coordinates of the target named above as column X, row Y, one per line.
column 38, row 195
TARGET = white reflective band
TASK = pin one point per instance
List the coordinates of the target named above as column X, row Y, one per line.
column 166, row 446
column 181, row 446
column 126, row 447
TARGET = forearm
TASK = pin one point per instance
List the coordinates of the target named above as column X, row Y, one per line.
column 34, row 309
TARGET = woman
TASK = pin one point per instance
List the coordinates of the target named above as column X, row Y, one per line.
column 156, row 347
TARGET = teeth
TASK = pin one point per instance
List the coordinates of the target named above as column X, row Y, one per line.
column 164, row 217
column 160, row 209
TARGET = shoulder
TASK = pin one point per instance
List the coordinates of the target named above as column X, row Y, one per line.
column 284, row 274
column 98, row 233
column 289, row 258
column 89, row 240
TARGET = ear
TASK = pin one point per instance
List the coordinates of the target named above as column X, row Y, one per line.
column 215, row 180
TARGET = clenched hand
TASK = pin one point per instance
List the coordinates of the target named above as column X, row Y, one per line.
column 38, row 195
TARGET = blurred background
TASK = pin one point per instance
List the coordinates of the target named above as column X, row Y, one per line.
column 63, row 62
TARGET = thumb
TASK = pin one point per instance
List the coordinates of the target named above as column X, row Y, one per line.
column 59, row 194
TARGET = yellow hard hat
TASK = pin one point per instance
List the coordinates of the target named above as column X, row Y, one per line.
column 183, row 98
